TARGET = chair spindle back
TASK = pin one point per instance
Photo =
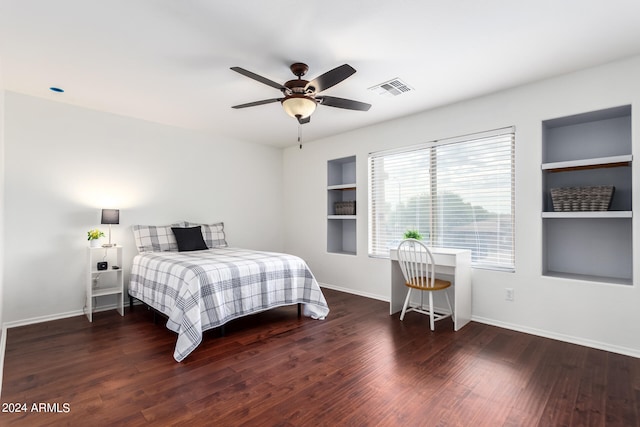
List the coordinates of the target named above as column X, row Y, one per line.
column 417, row 263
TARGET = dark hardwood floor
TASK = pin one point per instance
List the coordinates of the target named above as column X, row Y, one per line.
column 359, row 367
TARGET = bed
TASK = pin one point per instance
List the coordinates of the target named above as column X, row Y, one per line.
column 201, row 289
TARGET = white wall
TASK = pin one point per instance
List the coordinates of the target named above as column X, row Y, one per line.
column 1, row 206
column 64, row 163
column 599, row 315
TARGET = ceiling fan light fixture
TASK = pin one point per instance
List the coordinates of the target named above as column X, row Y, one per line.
column 299, row 106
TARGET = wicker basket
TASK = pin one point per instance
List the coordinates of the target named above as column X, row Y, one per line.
column 345, row 208
column 573, row 199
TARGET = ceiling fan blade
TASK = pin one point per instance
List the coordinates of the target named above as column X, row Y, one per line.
column 348, row 104
column 259, row 78
column 305, row 120
column 331, row 78
column 253, row 104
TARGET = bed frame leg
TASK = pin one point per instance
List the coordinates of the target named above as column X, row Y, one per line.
column 299, row 309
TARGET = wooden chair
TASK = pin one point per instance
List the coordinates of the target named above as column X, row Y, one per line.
column 418, row 268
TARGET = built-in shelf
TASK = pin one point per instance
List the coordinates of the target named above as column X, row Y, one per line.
column 589, row 278
column 583, row 164
column 343, row 252
column 585, row 150
column 341, row 187
column 591, row 214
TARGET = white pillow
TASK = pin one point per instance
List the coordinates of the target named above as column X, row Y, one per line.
column 156, row 238
column 213, row 234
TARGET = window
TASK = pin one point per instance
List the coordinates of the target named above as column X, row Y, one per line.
column 457, row 193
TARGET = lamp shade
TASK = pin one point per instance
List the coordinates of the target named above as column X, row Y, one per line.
column 110, row 216
column 299, row 106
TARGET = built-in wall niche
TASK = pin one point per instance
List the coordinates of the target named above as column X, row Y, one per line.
column 341, row 236
column 592, row 249
column 588, row 150
column 341, row 205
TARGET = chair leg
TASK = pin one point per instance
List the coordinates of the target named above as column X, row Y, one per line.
column 431, row 313
column 406, row 303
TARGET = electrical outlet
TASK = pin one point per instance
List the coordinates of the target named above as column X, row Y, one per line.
column 508, row 294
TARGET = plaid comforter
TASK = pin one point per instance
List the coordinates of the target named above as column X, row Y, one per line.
column 201, row 290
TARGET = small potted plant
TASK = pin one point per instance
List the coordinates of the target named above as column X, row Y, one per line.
column 412, row 234
column 93, row 236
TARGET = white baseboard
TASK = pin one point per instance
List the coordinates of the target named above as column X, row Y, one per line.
column 353, row 292
column 532, row 331
column 48, row 318
column 35, row 320
column 538, row 332
column 41, row 319
column 560, row 337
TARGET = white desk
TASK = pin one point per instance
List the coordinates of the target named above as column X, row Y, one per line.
column 451, row 264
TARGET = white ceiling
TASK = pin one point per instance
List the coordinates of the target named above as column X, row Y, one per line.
column 168, row 61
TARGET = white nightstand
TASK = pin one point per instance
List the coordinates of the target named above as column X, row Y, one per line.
column 104, row 282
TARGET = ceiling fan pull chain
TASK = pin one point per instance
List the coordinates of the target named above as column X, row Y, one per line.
column 300, row 135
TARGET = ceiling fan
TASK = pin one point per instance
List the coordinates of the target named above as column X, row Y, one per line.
column 301, row 96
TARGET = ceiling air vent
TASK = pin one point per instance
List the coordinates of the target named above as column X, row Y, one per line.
column 393, row 87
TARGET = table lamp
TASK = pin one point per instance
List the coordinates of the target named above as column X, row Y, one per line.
column 110, row 216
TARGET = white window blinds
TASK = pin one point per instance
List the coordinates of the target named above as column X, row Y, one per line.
column 457, row 193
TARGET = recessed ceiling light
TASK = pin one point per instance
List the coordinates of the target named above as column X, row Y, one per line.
column 56, row 89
